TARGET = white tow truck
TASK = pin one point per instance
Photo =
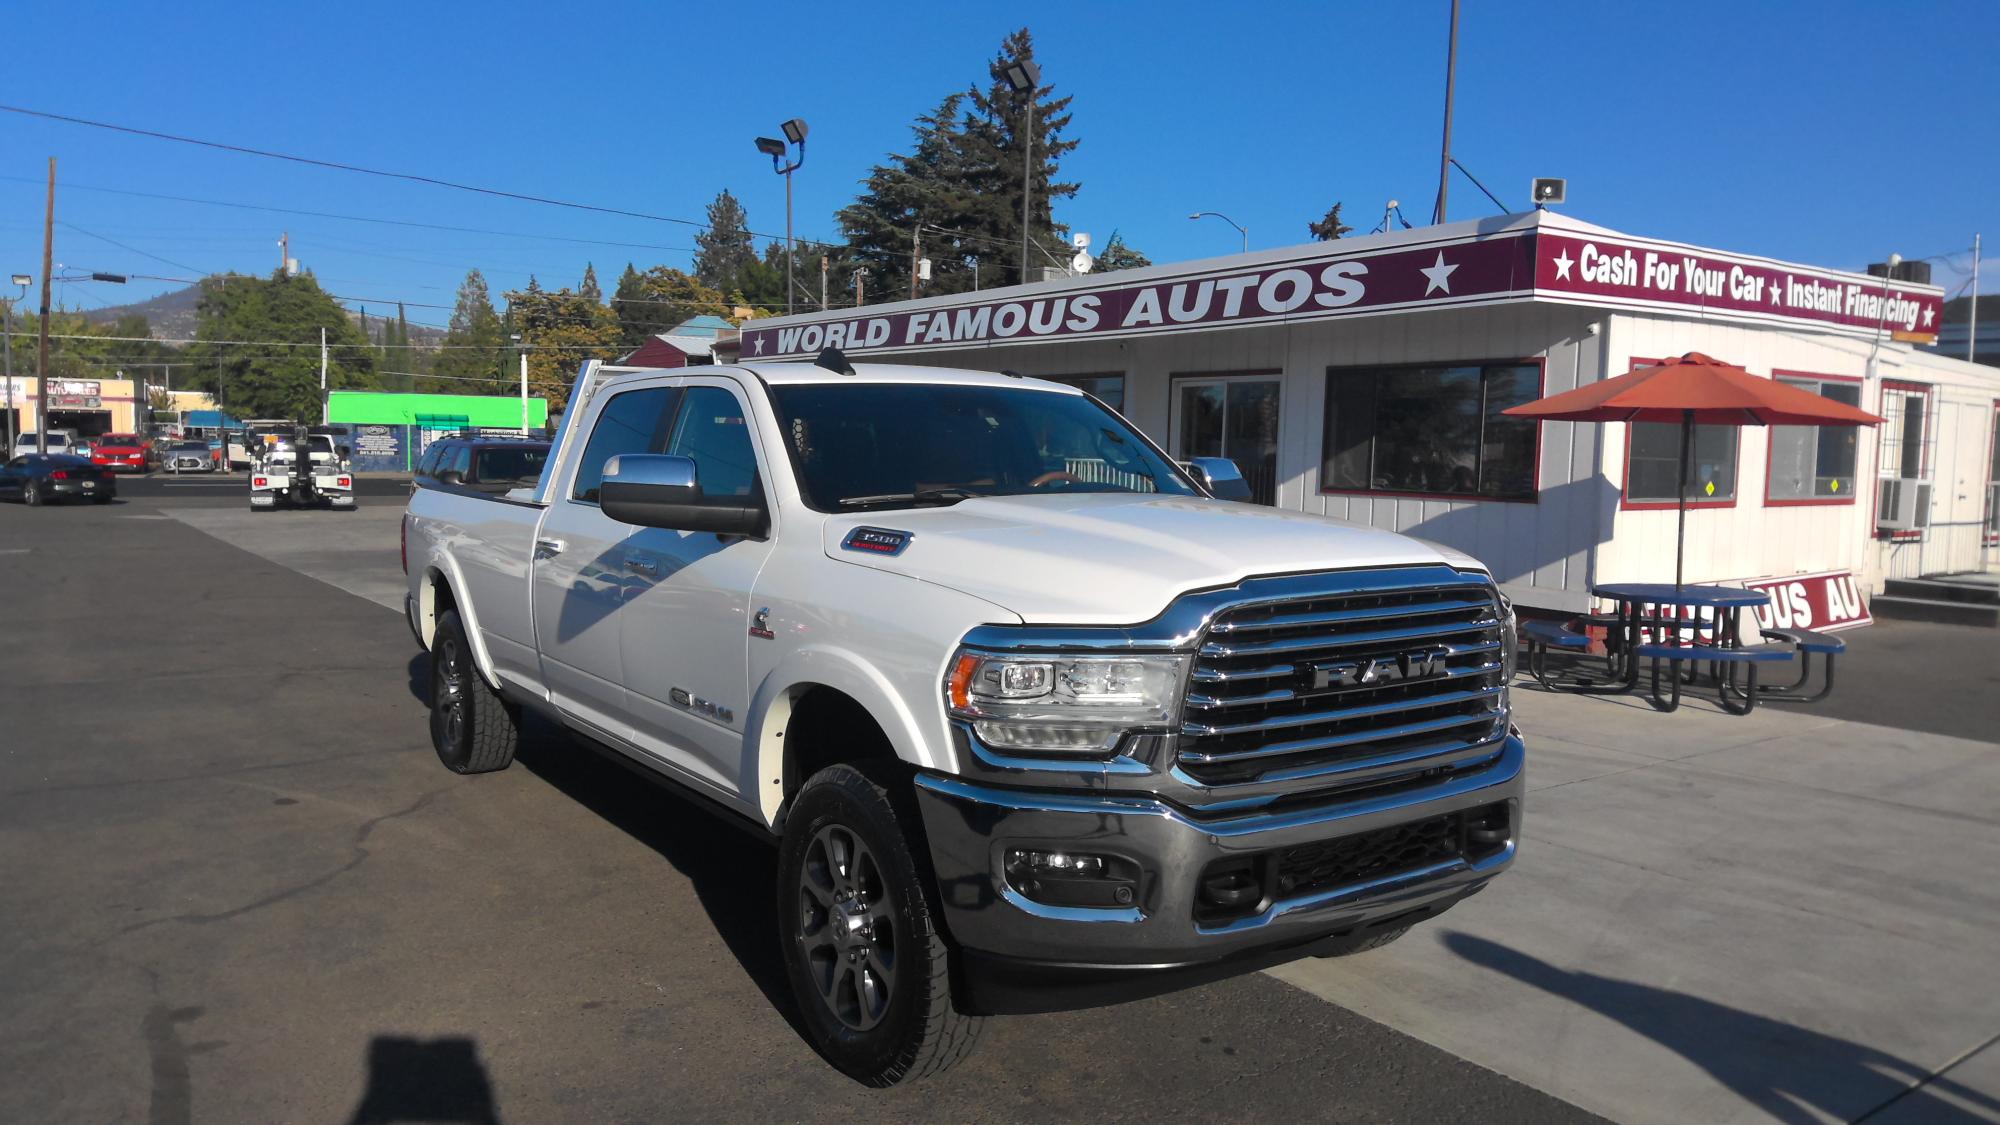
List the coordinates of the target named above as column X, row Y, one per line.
column 300, row 470
column 1033, row 719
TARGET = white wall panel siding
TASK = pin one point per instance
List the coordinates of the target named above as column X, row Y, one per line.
column 1547, row 553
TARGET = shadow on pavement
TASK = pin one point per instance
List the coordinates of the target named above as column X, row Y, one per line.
column 1789, row 1072
column 680, row 828
column 438, row 1080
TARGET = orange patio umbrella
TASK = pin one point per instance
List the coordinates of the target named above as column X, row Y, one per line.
column 1693, row 390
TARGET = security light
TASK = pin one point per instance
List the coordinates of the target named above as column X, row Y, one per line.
column 23, row 279
column 795, row 130
column 1023, row 75
column 771, row 147
column 1550, row 190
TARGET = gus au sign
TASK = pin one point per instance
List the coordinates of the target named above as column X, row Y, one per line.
column 1827, row 601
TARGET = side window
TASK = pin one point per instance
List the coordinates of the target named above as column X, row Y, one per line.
column 629, row 423
column 461, row 459
column 713, row 431
column 428, row 463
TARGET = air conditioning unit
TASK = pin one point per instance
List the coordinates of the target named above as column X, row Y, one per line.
column 1902, row 504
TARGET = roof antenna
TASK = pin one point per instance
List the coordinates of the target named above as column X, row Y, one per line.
column 833, row 361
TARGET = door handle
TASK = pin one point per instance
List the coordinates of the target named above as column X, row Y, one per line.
column 642, row 566
column 548, row 548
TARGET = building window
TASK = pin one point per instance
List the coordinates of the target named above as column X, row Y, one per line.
column 1432, row 430
column 1905, row 434
column 1815, row 463
column 1653, row 464
column 1109, row 389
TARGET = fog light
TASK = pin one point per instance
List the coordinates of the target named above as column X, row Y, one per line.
column 1073, row 878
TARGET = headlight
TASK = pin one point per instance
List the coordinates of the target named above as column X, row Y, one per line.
column 1510, row 639
column 1060, row 703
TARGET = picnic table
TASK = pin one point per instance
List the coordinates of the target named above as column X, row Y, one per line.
column 1680, row 629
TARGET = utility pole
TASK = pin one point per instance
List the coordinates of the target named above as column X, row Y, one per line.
column 42, row 342
column 1450, row 76
column 823, row 264
column 916, row 253
column 284, row 251
column 1972, row 327
column 860, row 299
column 325, row 403
column 7, row 341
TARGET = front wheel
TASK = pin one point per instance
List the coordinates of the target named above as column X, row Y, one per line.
column 868, row 967
column 473, row 729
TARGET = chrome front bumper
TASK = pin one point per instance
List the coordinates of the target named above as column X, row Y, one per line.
column 971, row 828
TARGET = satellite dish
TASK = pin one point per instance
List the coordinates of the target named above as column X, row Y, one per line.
column 1080, row 240
column 1082, row 262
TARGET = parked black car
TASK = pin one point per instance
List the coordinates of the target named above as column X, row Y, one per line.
column 44, row 478
column 493, row 465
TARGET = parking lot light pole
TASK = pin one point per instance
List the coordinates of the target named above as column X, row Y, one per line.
column 1232, row 222
column 1024, row 76
column 795, row 132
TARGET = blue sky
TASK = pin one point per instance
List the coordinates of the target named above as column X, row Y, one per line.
column 1824, row 132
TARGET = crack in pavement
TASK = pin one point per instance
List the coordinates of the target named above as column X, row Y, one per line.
column 360, row 856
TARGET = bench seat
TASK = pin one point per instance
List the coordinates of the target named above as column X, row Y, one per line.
column 1806, row 640
column 1554, row 634
column 1747, row 654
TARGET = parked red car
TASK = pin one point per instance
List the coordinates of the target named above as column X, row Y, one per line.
column 125, row 453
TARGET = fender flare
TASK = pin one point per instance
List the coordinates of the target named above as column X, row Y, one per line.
column 443, row 570
column 845, row 671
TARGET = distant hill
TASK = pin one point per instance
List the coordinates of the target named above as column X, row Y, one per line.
column 173, row 316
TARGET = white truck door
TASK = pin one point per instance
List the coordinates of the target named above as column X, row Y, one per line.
column 688, row 616
column 579, row 571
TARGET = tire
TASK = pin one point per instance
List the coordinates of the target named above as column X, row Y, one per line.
column 1375, row 941
column 852, row 916
column 473, row 730
column 31, row 496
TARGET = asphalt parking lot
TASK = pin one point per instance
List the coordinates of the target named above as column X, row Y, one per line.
column 240, row 888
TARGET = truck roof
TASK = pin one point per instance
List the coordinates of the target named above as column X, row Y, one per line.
column 790, row 374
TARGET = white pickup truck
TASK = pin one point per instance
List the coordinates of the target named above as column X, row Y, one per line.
column 1035, row 722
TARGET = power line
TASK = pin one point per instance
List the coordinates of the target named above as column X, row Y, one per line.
column 365, row 218
column 341, row 166
column 134, row 250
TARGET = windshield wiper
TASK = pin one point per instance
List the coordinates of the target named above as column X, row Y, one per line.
column 920, row 496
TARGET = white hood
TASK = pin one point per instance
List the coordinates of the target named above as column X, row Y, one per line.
column 1115, row 558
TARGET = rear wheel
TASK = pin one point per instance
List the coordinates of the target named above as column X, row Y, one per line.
column 31, row 495
column 868, row 967
column 472, row 728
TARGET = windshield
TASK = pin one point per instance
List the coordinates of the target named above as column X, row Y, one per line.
column 863, row 446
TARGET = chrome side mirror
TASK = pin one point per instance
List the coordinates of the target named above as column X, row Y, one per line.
column 1220, row 477
column 663, row 490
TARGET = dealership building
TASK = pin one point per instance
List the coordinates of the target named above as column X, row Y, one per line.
column 1364, row 379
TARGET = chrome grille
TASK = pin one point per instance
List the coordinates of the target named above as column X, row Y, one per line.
column 1350, row 688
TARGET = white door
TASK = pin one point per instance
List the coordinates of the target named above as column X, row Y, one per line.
column 1234, row 416
column 688, row 613
column 579, row 568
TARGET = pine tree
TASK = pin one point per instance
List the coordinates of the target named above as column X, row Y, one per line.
column 474, row 343
column 1117, row 255
column 933, row 186
column 1330, row 227
column 725, row 250
column 996, row 135
column 589, row 290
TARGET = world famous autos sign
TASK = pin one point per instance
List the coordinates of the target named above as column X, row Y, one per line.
column 1533, row 260
column 1440, row 273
